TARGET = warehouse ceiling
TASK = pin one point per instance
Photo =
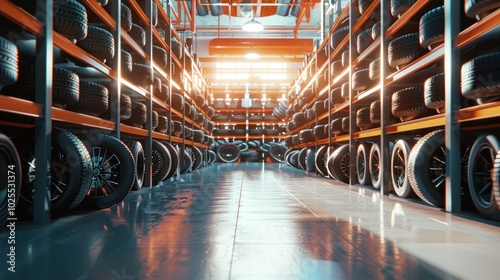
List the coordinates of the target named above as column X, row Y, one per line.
column 292, row 29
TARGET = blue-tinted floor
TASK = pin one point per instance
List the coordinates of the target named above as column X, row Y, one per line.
column 256, row 221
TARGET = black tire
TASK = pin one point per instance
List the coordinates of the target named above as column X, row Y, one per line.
column 8, row 63
column 375, row 112
column 210, row 112
column 99, row 43
column 374, row 70
column 361, row 80
column 336, row 98
column 293, row 158
column 434, row 93
column 93, row 99
column 161, row 162
column 126, row 17
column 319, row 132
column 187, row 162
column 162, row 124
column 228, row 153
column 277, row 152
column 154, row 16
column 338, row 164
column 138, row 34
column 336, row 68
column 345, row 91
column 481, row 77
column 299, row 118
column 10, row 183
column 213, row 157
column 336, row 127
column 399, row 7
column 196, row 157
column 363, row 5
column 346, row 127
column 338, row 35
column 405, row 49
column 345, row 58
column 306, row 136
column 374, row 163
column 65, row 89
column 264, row 147
column 426, row 168
column 408, row 103
column 376, row 31
column 141, row 75
column 320, row 160
column 302, row 159
column 154, row 121
column 364, row 40
column 177, row 101
column 139, row 114
column 478, row 9
column 71, row 174
column 70, row 20
column 113, row 171
column 431, row 30
column 362, row 163
column 125, row 107
column 481, row 175
column 65, row 85
column 140, row 167
column 126, row 63
column 198, row 136
column 363, row 118
column 174, row 155
column 160, row 56
column 176, row 48
column 202, row 10
column 399, row 168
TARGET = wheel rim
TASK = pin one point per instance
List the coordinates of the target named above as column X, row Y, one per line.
column 437, row 169
column 482, row 173
column 60, row 173
column 344, row 164
column 375, row 166
column 106, row 174
column 157, row 161
column 399, row 169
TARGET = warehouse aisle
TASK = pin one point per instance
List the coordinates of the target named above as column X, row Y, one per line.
column 255, row 221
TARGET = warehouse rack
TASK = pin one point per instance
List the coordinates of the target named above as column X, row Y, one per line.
column 452, row 120
column 46, row 116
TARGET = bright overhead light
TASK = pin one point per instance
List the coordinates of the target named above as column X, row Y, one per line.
column 252, row 55
column 252, row 26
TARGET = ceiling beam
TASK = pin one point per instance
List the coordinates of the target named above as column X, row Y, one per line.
column 266, row 60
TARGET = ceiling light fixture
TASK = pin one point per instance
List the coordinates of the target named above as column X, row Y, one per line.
column 252, row 26
column 252, row 55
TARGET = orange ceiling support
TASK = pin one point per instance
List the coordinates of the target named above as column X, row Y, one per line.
column 262, row 46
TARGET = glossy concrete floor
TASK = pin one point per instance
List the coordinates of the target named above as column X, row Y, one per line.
column 257, row 221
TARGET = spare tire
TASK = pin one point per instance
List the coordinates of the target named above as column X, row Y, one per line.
column 480, row 8
column 399, row 7
column 10, row 162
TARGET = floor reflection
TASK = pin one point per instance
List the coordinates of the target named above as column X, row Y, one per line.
column 227, row 221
